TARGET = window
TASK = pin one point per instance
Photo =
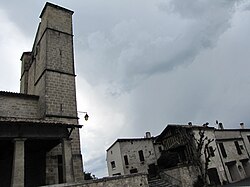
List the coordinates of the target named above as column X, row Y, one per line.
column 236, row 143
column 141, row 156
column 248, row 137
column 126, row 160
column 112, row 164
column 60, row 168
column 211, row 151
column 160, row 149
column 223, row 151
column 134, row 170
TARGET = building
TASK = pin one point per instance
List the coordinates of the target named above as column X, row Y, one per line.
column 174, row 151
column 180, row 139
column 132, row 155
column 39, row 130
column 228, row 152
column 234, row 153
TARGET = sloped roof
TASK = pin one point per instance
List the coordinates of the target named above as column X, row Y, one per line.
column 20, row 95
column 173, row 126
column 130, row 139
column 29, row 121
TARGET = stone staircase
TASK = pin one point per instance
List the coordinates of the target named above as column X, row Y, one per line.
column 158, row 182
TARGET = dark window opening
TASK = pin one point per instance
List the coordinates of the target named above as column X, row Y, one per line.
column 238, row 147
column 223, row 151
column 248, row 137
column 160, row 149
column 126, row 160
column 116, row 174
column 134, row 170
column 60, row 168
column 211, row 151
column 141, row 156
column 112, row 164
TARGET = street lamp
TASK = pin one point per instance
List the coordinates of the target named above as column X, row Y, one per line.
column 86, row 117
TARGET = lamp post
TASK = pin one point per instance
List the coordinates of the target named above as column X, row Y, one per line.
column 86, row 117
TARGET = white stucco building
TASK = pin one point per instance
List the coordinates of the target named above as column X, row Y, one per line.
column 233, row 145
column 132, row 155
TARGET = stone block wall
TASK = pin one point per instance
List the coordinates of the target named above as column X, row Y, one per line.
column 61, row 98
column 18, row 105
column 58, row 20
column 48, row 72
column 138, row 180
column 182, row 175
column 133, row 180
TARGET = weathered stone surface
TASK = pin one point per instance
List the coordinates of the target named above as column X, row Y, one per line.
column 47, row 93
column 133, row 180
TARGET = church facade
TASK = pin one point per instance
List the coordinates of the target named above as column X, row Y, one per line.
column 39, row 130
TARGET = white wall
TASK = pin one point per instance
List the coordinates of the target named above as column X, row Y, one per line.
column 114, row 154
column 131, row 148
column 227, row 138
column 215, row 161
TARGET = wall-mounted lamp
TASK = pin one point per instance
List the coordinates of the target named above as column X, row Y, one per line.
column 86, row 117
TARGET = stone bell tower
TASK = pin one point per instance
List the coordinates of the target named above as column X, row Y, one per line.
column 48, row 72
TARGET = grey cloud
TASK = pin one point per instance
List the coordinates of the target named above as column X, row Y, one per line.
column 96, row 166
column 132, row 50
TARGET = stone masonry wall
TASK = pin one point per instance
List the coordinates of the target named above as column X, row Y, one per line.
column 184, row 175
column 133, row 180
column 137, row 180
column 13, row 106
column 51, row 76
column 61, row 100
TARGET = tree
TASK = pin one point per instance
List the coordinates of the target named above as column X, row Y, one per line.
column 202, row 148
column 199, row 147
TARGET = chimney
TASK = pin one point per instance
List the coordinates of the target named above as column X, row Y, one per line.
column 242, row 125
column 220, row 126
column 148, row 135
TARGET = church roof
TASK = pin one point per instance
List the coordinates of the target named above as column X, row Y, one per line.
column 14, row 94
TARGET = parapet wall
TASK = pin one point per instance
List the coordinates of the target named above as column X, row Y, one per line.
column 182, row 176
column 133, row 180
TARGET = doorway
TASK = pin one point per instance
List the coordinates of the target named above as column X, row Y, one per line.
column 213, row 176
column 233, row 170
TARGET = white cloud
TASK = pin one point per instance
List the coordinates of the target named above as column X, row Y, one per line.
column 106, row 121
column 12, row 45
